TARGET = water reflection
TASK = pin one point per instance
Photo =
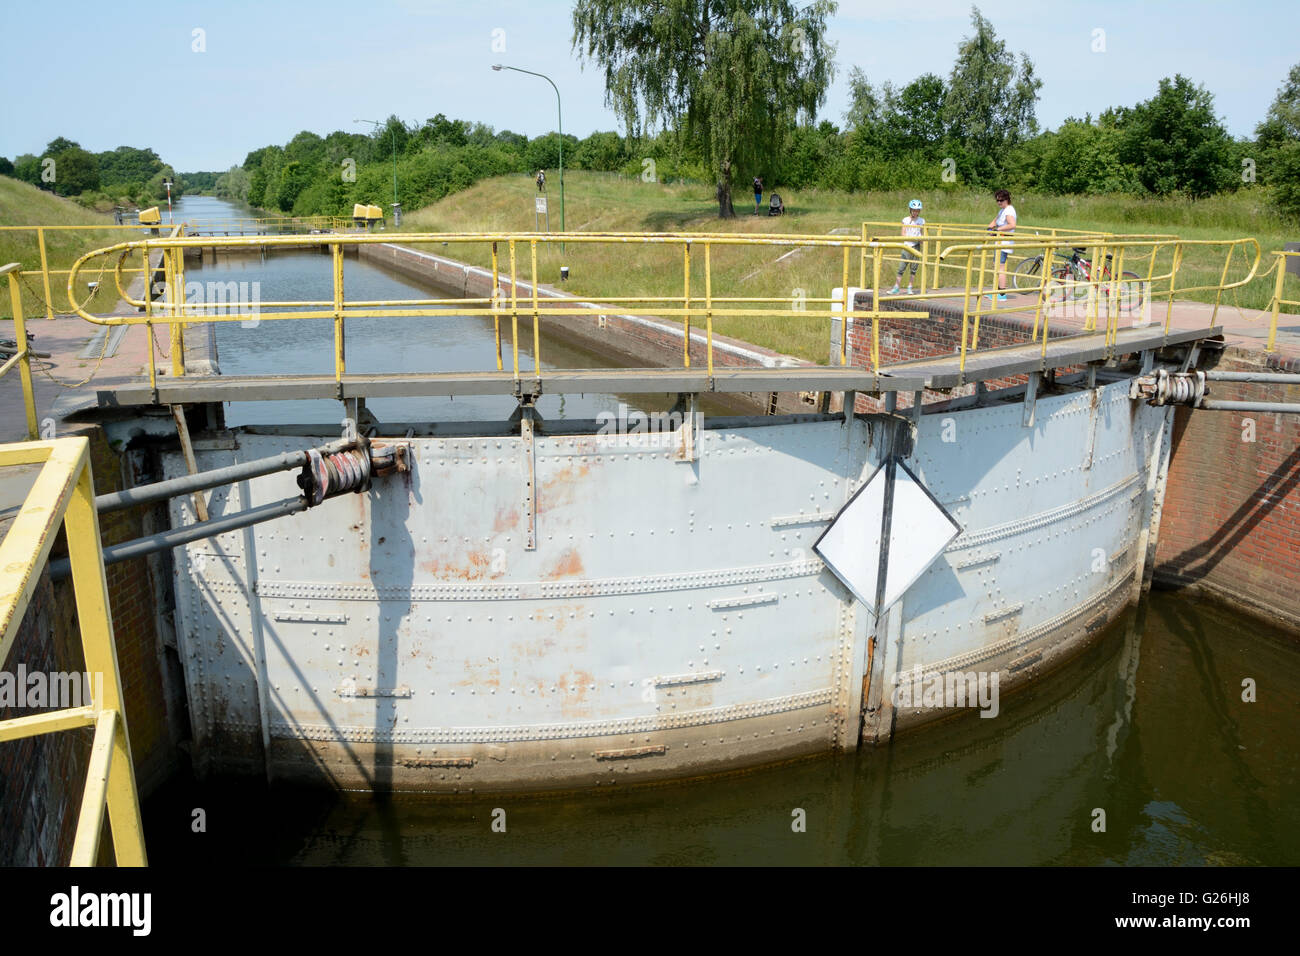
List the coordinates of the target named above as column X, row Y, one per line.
column 1147, row 725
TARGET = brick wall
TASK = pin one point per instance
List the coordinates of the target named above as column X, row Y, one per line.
column 905, row 340
column 41, row 778
column 1231, row 524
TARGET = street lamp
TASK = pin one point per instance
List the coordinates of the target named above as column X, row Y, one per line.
column 168, row 184
column 560, row 111
column 397, row 210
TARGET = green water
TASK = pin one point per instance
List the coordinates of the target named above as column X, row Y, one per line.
column 1147, row 725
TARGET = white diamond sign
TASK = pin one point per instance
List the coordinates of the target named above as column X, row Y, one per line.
column 919, row 531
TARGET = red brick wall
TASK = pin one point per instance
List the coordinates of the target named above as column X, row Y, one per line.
column 1231, row 524
column 41, row 778
column 904, row 340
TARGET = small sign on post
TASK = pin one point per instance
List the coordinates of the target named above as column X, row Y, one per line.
column 540, row 213
column 1292, row 262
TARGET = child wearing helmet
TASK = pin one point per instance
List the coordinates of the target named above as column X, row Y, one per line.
column 912, row 230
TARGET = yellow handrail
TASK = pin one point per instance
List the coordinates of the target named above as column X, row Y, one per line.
column 21, row 358
column 64, row 494
column 1108, row 293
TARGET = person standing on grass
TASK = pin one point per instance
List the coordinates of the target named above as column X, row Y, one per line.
column 1004, row 222
column 912, row 229
column 758, row 193
column 541, row 180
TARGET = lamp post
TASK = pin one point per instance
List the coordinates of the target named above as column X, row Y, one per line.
column 560, row 112
column 397, row 212
column 168, row 184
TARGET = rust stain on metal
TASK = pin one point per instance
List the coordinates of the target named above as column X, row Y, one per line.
column 506, row 520
column 652, row 750
column 422, row 763
column 478, row 564
column 568, row 564
column 562, row 487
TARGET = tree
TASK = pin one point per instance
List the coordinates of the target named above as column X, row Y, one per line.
column 738, row 73
column 294, row 178
column 27, row 168
column 75, row 172
column 127, row 165
column 989, row 104
column 1176, row 143
column 1278, row 143
column 1282, row 125
column 58, row 145
column 6, row 167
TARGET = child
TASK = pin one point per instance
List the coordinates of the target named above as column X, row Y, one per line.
column 912, row 230
column 758, row 193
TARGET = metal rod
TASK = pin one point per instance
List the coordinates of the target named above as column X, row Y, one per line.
column 188, row 484
column 1267, row 378
column 176, row 537
column 1222, row 406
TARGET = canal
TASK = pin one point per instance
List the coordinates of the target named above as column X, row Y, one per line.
column 1141, row 751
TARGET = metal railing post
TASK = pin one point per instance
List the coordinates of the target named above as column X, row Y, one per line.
column 45, row 274
column 90, row 591
column 1277, row 300
column 514, row 313
column 537, row 339
column 496, row 301
column 875, row 310
column 708, row 303
column 24, row 355
column 340, row 347
column 686, row 305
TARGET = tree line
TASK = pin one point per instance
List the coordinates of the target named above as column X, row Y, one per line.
column 124, row 176
column 719, row 93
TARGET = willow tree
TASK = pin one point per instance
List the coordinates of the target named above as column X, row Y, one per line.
column 738, row 74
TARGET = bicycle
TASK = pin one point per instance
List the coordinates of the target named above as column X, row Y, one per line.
column 1074, row 276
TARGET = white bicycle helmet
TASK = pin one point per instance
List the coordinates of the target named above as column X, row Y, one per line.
column 914, row 204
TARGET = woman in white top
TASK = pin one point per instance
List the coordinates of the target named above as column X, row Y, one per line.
column 1004, row 222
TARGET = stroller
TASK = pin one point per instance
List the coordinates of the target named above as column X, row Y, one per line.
column 774, row 206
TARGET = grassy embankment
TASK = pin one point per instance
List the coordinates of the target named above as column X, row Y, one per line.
column 604, row 203
column 22, row 204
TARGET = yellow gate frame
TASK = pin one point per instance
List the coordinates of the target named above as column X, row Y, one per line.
column 64, row 494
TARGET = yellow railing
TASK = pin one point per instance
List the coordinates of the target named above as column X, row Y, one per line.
column 508, row 302
column 270, row 225
column 1156, row 265
column 936, row 236
column 1107, row 289
column 63, row 494
column 1280, row 263
column 43, row 254
column 21, row 359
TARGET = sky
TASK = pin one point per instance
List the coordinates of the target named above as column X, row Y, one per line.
column 204, row 83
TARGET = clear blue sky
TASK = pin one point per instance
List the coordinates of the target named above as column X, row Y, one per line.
column 108, row 74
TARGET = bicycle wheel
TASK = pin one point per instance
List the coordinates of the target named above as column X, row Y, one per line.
column 1132, row 292
column 1061, row 283
column 1026, row 276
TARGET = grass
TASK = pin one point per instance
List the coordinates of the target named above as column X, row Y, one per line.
column 606, row 203
column 22, row 204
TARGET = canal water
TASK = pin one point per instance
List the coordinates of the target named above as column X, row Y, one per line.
column 1147, row 726
column 1141, row 751
column 445, row 342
